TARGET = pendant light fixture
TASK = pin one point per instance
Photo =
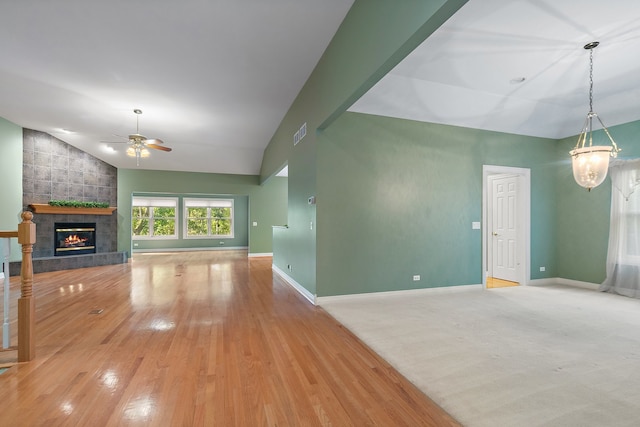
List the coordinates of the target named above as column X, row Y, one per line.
column 591, row 162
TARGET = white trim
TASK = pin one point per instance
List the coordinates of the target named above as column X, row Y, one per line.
column 406, row 292
column 578, row 284
column 525, row 211
column 565, row 282
column 448, row 290
column 154, row 238
column 208, row 203
column 256, row 255
column 156, row 202
column 549, row 281
column 214, row 248
column 295, row 285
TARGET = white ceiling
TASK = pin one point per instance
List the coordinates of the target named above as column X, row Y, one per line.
column 214, row 78
column 463, row 74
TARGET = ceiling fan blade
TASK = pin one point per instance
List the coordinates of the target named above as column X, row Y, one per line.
column 158, row 147
column 154, row 141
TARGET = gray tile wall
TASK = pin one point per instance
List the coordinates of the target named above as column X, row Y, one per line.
column 55, row 170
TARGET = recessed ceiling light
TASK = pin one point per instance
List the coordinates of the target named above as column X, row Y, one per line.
column 517, row 80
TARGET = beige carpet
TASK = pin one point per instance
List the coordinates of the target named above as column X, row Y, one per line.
column 521, row 356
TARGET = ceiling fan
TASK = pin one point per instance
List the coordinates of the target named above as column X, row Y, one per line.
column 139, row 144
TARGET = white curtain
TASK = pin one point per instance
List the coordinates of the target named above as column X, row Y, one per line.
column 623, row 256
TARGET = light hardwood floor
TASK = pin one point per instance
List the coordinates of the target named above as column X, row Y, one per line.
column 493, row 282
column 198, row 339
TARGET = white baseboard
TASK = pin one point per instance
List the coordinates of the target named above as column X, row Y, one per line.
column 316, row 300
column 406, row 292
column 295, row 285
column 565, row 282
column 543, row 282
column 213, row 248
column 578, row 284
column 266, row 254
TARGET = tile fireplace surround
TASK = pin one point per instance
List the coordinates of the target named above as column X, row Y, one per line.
column 55, row 170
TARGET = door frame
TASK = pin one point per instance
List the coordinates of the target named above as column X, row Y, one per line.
column 524, row 217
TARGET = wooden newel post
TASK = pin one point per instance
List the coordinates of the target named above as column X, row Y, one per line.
column 26, row 302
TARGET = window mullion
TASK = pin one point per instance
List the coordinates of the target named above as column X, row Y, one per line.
column 151, row 234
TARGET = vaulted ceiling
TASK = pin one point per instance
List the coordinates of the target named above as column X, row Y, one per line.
column 519, row 66
column 215, row 78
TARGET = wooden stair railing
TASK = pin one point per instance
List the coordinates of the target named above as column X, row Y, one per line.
column 26, row 235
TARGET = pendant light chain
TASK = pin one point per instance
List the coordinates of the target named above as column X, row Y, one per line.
column 591, row 80
column 591, row 162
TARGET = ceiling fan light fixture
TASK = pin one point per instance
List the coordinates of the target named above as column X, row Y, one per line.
column 590, row 162
column 139, row 144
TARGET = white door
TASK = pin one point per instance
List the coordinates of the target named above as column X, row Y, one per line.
column 505, row 225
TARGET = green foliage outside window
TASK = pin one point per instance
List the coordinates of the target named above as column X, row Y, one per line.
column 140, row 221
column 158, row 218
column 153, row 221
column 209, row 221
column 221, row 221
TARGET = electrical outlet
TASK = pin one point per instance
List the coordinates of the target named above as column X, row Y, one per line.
column 543, row 269
column 255, row 223
column 222, row 243
column 416, row 277
column 135, row 245
column 289, row 267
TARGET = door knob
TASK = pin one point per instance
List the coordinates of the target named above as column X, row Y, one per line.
column 495, row 234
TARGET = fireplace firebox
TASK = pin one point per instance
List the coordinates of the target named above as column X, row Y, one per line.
column 74, row 238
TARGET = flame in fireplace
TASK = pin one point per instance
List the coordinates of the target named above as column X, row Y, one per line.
column 74, row 240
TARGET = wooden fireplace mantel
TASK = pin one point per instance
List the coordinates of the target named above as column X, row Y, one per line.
column 68, row 210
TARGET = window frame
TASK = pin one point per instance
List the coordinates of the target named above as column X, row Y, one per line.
column 208, row 203
column 155, row 202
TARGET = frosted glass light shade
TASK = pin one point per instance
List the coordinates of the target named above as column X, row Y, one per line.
column 590, row 165
column 138, row 152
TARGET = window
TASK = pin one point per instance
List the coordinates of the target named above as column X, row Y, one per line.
column 154, row 218
column 208, row 218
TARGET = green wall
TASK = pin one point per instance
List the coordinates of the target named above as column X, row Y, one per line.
column 267, row 202
column 372, row 39
column 397, row 198
column 11, row 181
column 354, row 160
column 582, row 216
